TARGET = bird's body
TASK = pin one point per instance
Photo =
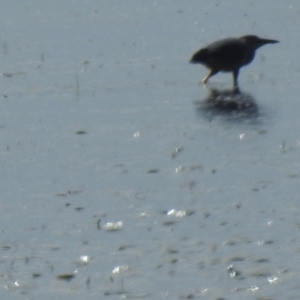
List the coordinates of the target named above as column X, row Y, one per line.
column 229, row 55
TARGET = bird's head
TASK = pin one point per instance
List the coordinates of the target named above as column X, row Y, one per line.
column 255, row 42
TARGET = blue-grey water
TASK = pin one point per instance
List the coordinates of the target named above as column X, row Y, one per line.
column 103, row 120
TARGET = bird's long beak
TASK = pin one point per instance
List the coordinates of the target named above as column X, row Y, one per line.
column 267, row 41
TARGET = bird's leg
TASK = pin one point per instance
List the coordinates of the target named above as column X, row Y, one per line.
column 235, row 78
column 211, row 73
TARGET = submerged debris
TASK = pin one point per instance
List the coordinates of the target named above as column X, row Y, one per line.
column 66, row 277
column 153, row 171
column 176, row 152
column 177, row 213
column 67, row 193
column 232, row 271
column 110, row 226
column 81, row 132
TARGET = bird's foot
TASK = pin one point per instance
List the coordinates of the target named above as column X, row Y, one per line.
column 204, row 80
column 236, row 89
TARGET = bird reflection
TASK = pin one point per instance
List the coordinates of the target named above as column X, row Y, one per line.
column 234, row 103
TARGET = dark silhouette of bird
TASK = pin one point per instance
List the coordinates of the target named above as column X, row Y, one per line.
column 229, row 55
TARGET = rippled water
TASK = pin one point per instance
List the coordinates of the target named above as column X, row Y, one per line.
column 123, row 177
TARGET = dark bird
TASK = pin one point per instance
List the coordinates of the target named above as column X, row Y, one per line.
column 229, row 55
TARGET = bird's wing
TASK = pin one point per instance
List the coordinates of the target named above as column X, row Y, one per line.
column 229, row 52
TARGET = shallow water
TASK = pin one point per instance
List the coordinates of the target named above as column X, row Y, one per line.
column 103, row 120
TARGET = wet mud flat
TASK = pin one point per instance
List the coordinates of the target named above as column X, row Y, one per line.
column 123, row 177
